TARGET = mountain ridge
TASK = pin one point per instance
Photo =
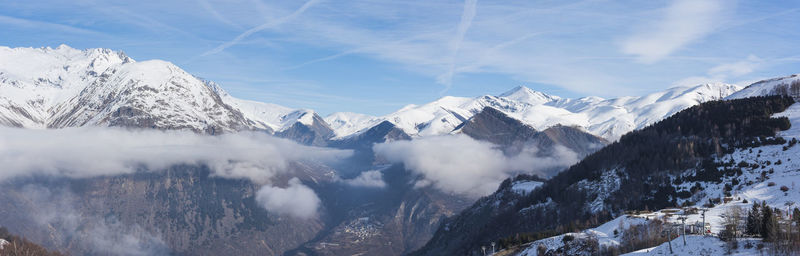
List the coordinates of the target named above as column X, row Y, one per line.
column 47, row 90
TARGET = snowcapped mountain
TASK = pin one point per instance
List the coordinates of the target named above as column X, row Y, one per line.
column 149, row 94
column 612, row 118
column 32, row 81
column 606, row 118
column 525, row 94
column 65, row 87
column 265, row 116
column 346, row 123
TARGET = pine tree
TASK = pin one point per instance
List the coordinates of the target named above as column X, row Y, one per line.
column 769, row 224
column 754, row 221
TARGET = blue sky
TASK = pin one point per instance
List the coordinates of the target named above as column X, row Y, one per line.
column 374, row 56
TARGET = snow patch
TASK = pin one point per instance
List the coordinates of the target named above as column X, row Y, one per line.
column 525, row 187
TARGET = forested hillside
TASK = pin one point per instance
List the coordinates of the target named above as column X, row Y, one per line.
column 635, row 173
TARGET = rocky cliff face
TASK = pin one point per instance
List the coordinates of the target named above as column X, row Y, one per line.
column 393, row 220
column 181, row 210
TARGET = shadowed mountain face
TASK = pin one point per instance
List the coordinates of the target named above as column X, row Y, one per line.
column 315, row 134
column 513, row 136
column 570, row 137
column 185, row 211
column 496, row 127
column 382, row 132
column 181, row 210
column 393, row 220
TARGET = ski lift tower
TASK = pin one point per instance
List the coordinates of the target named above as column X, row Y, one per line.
column 682, row 218
column 704, row 220
column 669, row 236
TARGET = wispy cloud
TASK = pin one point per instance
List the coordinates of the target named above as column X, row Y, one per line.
column 470, row 9
column 261, row 27
column 140, row 19
column 735, row 69
column 34, row 24
column 681, row 23
column 725, row 73
column 574, row 48
column 214, row 13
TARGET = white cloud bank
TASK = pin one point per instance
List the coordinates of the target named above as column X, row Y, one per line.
column 461, row 165
column 88, row 152
column 91, row 152
column 368, row 179
column 295, row 200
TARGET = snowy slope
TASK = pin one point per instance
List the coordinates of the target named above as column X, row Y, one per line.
column 266, row 116
column 525, row 94
column 612, row 118
column 65, row 87
column 32, row 81
column 768, row 87
column 346, row 123
column 525, row 187
column 699, row 245
column 780, row 167
column 604, row 234
column 149, row 94
column 608, row 119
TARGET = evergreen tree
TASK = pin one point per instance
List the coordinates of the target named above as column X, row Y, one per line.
column 754, row 221
column 769, row 224
column 796, row 216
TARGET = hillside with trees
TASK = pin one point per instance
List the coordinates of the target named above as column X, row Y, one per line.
column 635, row 173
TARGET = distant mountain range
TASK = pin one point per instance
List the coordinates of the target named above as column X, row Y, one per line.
column 198, row 213
column 65, row 87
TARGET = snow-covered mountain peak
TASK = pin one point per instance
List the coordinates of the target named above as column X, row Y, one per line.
column 606, row 118
column 527, row 95
column 148, row 94
column 347, row 123
column 63, row 86
column 40, row 87
column 35, row 80
column 303, row 116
